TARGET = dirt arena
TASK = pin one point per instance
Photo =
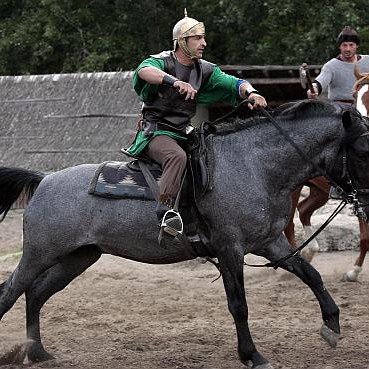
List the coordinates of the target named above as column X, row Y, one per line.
column 127, row 315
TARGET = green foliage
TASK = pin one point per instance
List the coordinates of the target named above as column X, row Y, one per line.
column 53, row 36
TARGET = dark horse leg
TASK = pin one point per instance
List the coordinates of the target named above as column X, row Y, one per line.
column 28, row 269
column 310, row 276
column 330, row 312
column 47, row 284
column 231, row 266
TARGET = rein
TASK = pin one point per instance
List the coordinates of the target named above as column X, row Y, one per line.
column 276, row 264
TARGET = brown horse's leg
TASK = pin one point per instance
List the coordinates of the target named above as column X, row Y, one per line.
column 290, row 229
column 314, row 201
column 365, row 101
column 318, row 196
column 364, row 242
column 352, row 275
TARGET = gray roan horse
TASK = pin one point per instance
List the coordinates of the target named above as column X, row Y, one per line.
column 66, row 229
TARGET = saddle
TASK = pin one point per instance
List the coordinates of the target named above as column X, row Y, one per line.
column 138, row 179
column 122, row 180
column 198, row 178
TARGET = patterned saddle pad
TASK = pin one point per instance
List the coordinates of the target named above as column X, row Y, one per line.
column 122, row 180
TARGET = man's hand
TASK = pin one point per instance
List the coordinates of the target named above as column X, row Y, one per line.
column 185, row 88
column 313, row 94
column 259, row 101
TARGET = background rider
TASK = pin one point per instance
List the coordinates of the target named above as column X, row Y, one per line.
column 337, row 75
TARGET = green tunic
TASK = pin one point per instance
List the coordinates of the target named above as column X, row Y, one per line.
column 219, row 87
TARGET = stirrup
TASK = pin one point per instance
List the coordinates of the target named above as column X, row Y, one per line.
column 172, row 223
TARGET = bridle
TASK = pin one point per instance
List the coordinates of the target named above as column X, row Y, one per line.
column 351, row 195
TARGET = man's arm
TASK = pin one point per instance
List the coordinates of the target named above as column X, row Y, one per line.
column 246, row 91
column 156, row 76
column 322, row 80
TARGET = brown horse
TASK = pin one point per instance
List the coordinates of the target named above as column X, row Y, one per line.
column 319, row 195
column 361, row 92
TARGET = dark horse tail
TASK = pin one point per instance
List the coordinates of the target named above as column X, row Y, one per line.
column 13, row 183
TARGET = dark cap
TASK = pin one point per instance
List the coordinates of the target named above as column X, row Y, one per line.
column 348, row 34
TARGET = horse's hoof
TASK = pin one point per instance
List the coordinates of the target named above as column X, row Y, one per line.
column 346, row 277
column 352, row 275
column 36, row 354
column 329, row 336
column 307, row 254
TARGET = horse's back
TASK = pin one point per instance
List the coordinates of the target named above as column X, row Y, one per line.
column 63, row 216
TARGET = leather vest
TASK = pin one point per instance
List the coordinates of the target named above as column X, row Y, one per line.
column 168, row 109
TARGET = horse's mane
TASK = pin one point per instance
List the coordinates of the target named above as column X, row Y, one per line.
column 288, row 111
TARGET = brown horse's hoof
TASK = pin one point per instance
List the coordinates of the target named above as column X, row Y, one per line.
column 329, row 336
column 352, row 275
column 264, row 366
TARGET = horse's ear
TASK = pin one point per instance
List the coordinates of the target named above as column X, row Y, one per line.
column 346, row 119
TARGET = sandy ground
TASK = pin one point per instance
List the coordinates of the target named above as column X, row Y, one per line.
column 123, row 314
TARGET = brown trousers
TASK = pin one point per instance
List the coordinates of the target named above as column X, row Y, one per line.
column 173, row 159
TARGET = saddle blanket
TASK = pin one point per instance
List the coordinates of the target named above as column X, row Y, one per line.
column 121, row 180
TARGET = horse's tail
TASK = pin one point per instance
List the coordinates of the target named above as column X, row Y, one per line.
column 13, row 183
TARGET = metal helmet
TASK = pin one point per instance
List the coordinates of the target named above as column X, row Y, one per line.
column 348, row 34
column 186, row 27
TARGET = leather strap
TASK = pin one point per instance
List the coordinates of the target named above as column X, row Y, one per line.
column 151, row 181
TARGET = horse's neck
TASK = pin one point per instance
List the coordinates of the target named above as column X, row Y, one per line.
column 269, row 154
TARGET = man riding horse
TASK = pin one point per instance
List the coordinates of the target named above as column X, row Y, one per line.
column 338, row 78
column 171, row 84
column 337, row 75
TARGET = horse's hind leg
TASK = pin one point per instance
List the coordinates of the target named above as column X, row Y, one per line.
column 28, row 269
column 316, row 199
column 353, row 274
column 290, row 229
column 47, row 284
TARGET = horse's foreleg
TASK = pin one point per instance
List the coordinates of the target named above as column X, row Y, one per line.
column 47, row 284
column 353, row 274
column 330, row 312
column 231, row 266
